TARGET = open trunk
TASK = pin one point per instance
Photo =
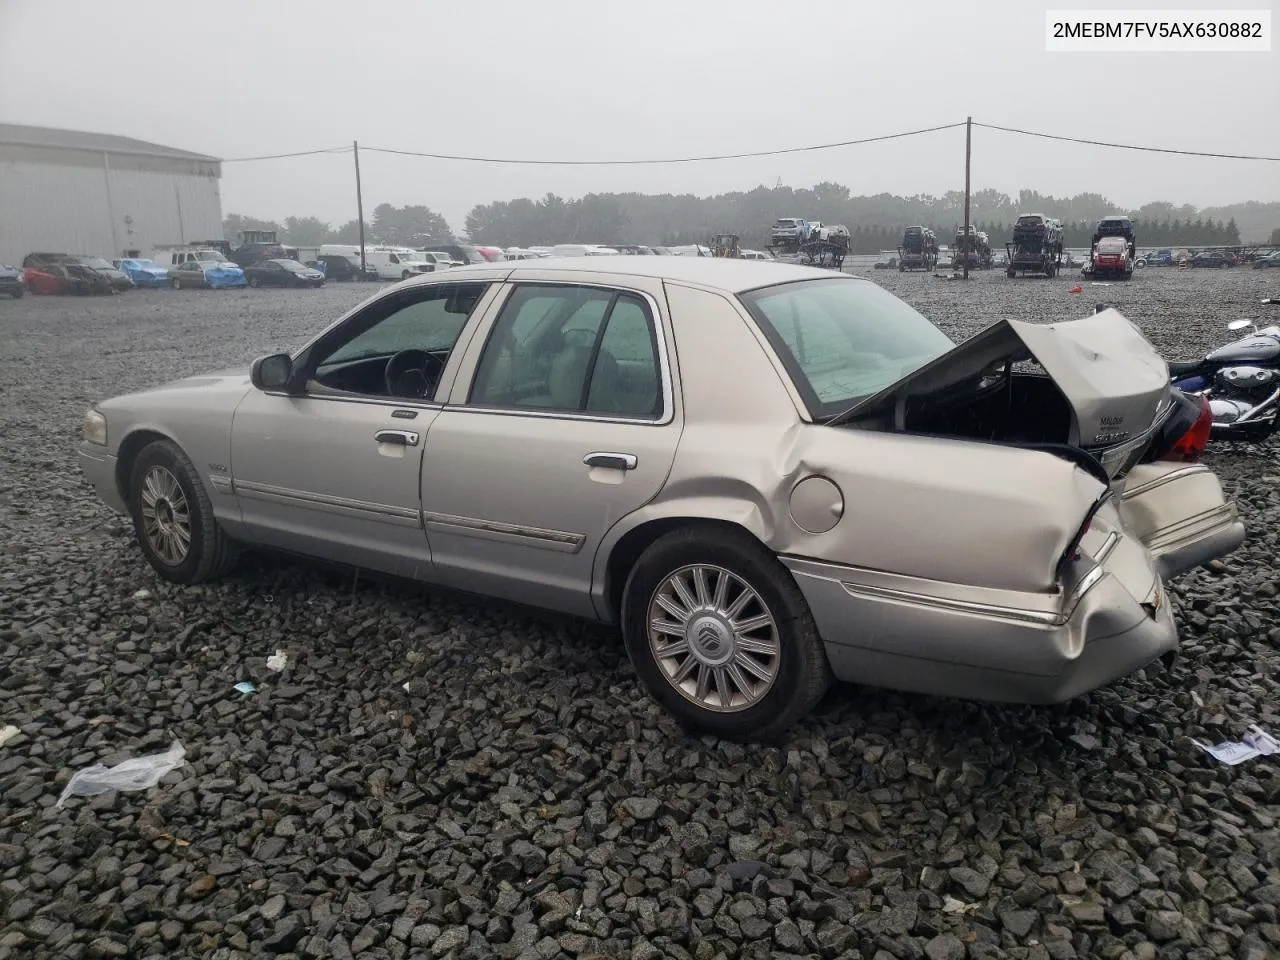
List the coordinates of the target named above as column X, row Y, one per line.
column 1095, row 385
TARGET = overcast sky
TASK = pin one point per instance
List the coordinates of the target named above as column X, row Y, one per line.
column 593, row 79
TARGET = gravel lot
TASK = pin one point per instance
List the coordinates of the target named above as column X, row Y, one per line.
column 524, row 797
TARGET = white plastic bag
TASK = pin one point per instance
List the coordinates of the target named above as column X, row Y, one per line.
column 138, row 773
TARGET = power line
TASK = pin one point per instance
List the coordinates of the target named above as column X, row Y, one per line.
column 1125, row 146
column 612, row 163
column 759, row 153
column 281, row 156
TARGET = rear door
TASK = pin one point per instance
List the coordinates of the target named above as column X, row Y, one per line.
column 563, row 421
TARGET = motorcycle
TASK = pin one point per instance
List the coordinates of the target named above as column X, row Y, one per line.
column 1241, row 381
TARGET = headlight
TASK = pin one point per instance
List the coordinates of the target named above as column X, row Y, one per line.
column 95, row 427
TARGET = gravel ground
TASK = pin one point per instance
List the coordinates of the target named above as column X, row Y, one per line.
column 524, row 798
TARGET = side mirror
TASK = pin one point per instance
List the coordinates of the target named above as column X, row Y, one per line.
column 272, row 373
column 1239, row 324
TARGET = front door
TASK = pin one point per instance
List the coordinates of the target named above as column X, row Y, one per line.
column 567, row 426
column 333, row 470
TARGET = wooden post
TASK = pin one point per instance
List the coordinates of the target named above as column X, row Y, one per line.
column 968, row 243
column 355, row 152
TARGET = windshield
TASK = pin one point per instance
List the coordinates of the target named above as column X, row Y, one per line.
column 292, row 265
column 96, row 263
column 842, row 340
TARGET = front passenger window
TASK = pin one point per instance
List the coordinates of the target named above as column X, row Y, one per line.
column 399, row 346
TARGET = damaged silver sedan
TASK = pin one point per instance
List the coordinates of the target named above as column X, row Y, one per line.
column 767, row 476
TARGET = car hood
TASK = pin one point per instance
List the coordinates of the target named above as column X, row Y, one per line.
column 222, row 380
column 1114, row 380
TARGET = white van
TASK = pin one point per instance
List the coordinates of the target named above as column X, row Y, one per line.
column 396, row 263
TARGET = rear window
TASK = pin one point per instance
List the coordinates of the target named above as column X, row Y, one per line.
column 843, row 340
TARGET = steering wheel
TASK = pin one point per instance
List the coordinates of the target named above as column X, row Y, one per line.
column 412, row 373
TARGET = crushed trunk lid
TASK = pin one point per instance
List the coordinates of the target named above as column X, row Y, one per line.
column 1113, row 381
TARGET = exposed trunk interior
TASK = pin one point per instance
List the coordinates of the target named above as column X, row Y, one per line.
column 1010, row 407
column 1093, row 384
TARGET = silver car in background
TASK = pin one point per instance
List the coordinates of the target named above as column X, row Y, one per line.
column 766, row 475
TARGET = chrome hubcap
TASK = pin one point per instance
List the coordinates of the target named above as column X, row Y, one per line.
column 166, row 517
column 713, row 638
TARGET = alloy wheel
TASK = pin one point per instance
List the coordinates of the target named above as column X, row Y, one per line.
column 713, row 638
column 166, row 516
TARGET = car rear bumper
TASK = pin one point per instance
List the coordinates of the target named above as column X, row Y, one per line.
column 917, row 636
column 99, row 468
column 1110, row 618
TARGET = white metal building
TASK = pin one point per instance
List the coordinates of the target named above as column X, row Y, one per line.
column 62, row 191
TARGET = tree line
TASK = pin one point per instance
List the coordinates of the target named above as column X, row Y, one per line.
column 413, row 225
column 875, row 222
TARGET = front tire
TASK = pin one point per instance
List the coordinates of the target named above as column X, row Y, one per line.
column 173, row 517
column 175, row 283
column 721, row 636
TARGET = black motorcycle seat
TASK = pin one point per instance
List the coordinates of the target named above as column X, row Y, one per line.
column 1179, row 368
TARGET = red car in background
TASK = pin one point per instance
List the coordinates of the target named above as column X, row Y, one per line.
column 65, row 278
column 1112, row 257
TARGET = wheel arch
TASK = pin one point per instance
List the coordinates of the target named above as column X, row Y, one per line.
column 628, row 542
column 134, row 442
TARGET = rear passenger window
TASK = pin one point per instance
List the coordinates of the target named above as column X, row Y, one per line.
column 625, row 382
column 572, row 349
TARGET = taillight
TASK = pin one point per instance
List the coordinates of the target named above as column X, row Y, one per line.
column 1191, row 445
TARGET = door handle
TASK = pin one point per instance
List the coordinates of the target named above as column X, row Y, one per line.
column 406, row 438
column 614, row 461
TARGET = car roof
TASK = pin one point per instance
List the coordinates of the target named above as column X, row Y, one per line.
column 724, row 273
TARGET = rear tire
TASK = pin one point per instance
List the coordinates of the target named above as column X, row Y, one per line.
column 175, row 283
column 173, row 517
column 749, row 635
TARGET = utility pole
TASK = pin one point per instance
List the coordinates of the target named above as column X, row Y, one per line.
column 355, row 152
column 968, row 243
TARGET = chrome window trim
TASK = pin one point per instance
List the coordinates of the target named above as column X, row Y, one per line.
column 667, row 415
column 400, row 402
column 428, row 280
